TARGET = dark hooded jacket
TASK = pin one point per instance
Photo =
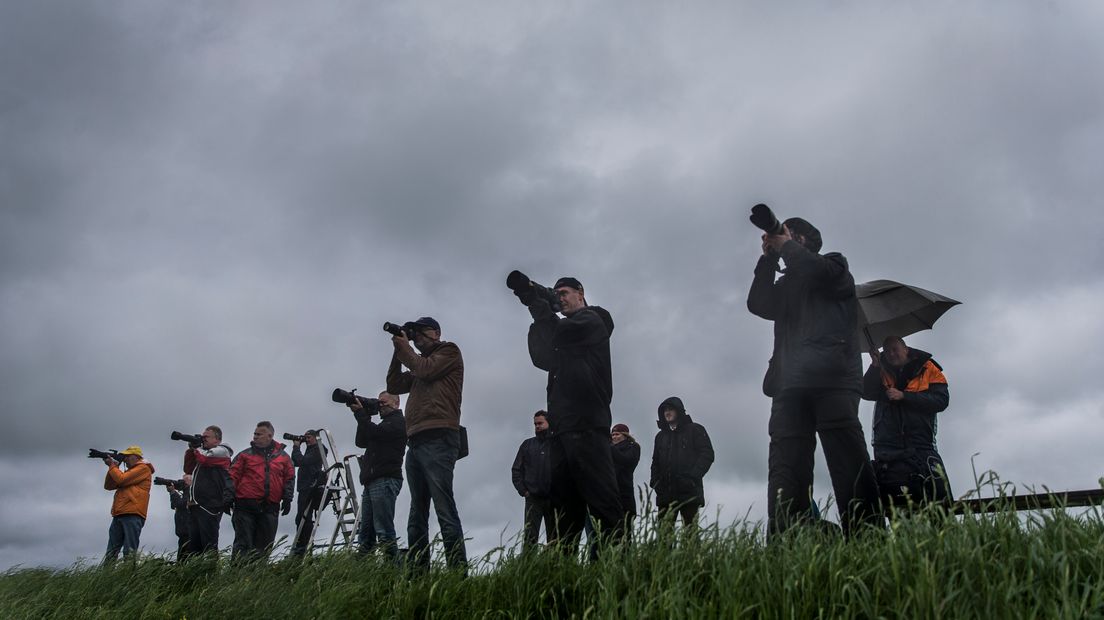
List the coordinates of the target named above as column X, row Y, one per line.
column 384, row 445
column 309, row 463
column 815, row 310
column 681, row 458
column 575, row 352
column 906, row 428
column 532, row 469
column 626, row 456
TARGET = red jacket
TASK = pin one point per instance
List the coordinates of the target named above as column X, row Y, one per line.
column 266, row 475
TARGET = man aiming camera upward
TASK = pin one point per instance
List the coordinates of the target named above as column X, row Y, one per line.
column 128, row 509
column 264, row 482
column 310, row 483
column 435, row 381
column 210, row 490
column 814, row 377
column 575, row 352
column 384, row 445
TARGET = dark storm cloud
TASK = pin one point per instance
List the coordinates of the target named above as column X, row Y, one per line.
column 207, row 213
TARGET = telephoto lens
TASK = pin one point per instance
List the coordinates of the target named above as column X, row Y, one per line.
column 764, row 219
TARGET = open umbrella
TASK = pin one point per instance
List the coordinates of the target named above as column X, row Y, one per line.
column 888, row 308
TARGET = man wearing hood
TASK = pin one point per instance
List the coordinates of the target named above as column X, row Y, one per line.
column 132, row 494
column 575, row 351
column 264, row 482
column 533, row 480
column 210, row 490
column 814, row 378
column 909, row 389
column 681, row 458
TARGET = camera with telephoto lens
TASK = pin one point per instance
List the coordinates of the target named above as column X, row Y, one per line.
column 169, row 482
column 527, row 290
column 371, row 405
column 194, row 441
column 764, row 219
column 408, row 328
column 299, row 438
column 108, row 454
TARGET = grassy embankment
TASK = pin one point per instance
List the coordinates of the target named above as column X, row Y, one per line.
column 1050, row 564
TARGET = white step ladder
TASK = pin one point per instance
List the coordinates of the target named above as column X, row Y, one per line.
column 340, row 493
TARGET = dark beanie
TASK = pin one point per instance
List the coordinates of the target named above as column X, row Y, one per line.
column 569, row 282
column 620, row 428
column 798, row 226
column 428, row 321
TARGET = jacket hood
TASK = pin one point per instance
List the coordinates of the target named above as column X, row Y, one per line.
column 275, row 447
column 143, row 462
column 605, row 316
column 676, row 403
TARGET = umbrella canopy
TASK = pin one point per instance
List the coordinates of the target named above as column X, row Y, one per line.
column 888, row 308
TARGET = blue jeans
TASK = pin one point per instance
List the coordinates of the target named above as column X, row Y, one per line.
column 123, row 534
column 429, row 465
column 377, row 516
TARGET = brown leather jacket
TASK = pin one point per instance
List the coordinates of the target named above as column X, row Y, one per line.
column 435, row 382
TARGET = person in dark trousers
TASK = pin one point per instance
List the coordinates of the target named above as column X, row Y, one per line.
column 310, row 484
column 264, row 483
column 210, row 490
column 533, row 480
column 575, row 351
column 909, row 390
column 814, row 378
column 626, row 456
column 681, row 457
column 435, row 381
column 179, row 505
column 381, row 476
column 128, row 508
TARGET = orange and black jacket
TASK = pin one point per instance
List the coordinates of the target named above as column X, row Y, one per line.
column 906, row 427
column 132, row 488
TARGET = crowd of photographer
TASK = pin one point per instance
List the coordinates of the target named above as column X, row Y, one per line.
column 576, row 473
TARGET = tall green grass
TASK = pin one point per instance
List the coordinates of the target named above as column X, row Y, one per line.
column 1002, row 565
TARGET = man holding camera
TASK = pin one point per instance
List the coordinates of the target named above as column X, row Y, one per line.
column 575, row 352
column 210, row 489
column 814, row 377
column 435, row 382
column 178, row 502
column 310, row 483
column 264, row 482
column 384, row 446
column 128, row 509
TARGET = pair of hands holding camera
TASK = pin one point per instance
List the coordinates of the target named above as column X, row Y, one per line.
column 772, row 244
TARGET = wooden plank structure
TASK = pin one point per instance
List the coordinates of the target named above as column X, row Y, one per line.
column 1033, row 501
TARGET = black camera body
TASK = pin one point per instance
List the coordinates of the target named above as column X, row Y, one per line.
column 528, row 290
column 347, row 398
column 764, row 219
column 105, row 454
column 408, row 328
column 169, row 482
column 299, row 438
column 194, row 441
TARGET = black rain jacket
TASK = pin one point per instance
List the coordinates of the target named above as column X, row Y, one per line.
column 626, row 456
column 815, row 314
column 384, row 445
column 310, row 473
column 680, row 459
column 906, row 428
column 575, row 351
column 532, row 469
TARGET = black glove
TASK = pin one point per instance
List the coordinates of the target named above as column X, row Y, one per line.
column 194, row 444
column 285, row 506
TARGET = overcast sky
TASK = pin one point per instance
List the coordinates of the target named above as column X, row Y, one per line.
column 208, row 209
